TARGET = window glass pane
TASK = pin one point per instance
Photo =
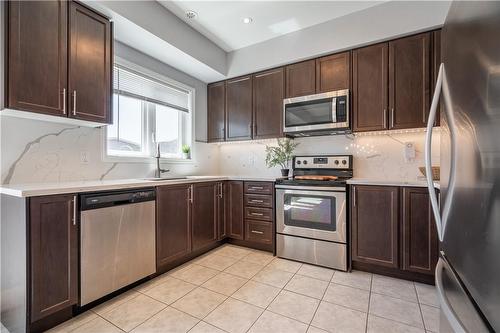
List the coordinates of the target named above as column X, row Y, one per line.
column 125, row 135
column 167, row 130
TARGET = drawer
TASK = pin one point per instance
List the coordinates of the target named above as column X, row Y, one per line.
column 259, row 231
column 259, row 187
column 259, row 200
column 265, row 214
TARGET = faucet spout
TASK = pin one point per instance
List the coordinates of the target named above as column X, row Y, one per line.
column 159, row 170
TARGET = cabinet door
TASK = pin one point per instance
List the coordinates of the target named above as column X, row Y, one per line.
column 54, row 254
column 436, row 62
column 409, row 81
column 36, row 56
column 419, row 235
column 333, row 72
column 234, row 209
column 268, row 94
column 375, row 225
column 204, row 208
column 216, row 111
column 301, row 79
column 173, row 230
column 90, row 65
column 221, row 210
column 239, row 108
column 370, row 88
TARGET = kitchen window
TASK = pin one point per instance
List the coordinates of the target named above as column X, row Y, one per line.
column 148, row 111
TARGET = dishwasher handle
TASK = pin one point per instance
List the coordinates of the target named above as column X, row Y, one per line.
column 115, row 198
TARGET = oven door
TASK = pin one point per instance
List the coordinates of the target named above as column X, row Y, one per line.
column 310, row 212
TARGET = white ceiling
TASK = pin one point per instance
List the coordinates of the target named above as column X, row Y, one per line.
column 221, row 21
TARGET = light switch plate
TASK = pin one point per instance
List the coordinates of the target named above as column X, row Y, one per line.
column 84, row 157
column 409, row 152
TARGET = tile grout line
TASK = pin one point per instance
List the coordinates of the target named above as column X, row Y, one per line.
column 369, row 300
column 419, row 307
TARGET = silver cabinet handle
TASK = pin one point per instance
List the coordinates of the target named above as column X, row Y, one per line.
column 392, row 117
column 257, row 214
column 74, row 102
column 258, row 201
column 64, row 100
column 257, row 232
column 74, row 209
column 385, row 118
column 257, row 188
column 354, row 196
column 190, row 194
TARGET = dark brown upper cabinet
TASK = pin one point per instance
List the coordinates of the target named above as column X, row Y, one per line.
column 216, row 111
column 370, row 88
column 234, row 209
column 173, row 223
column 419, row 235
column 409, row 81
column 375, row 218
column 300, row 79
column 90, row 65
column 59, row 60
column 239, row 108
column 436, row 62
column 36, row 64
column 333, row 72
column 268, row 94
column 53, row 254
column 204, row 208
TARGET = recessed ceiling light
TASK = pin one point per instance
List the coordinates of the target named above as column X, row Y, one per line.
column 191, row 14
column 247, row 20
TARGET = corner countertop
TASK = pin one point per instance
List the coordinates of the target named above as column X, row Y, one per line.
column 37, row 189
column 386, row 182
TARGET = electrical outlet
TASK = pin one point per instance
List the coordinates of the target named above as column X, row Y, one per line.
column 84, row 157
column 409, row 152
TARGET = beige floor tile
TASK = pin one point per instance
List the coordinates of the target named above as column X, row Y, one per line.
column 394, row 287
column 307, row 286
column 427, row 294
column 167, row 320
column 260, row 257
column 233, row 251
column 349, row 297
column 270, row 322
column 396, row 309
column 335, row 318
column 273, row 277
column 98, row 325
column 234, row 316
column 294, row 306
column 203, row 327
column 114, row 302
column 285, row 265
column 134, row 312
column 199, row 302
column 217, row 262
column 170, row 290
column 320, row 273
column 195, row 274
column 244, row 269
column 74, row 323
column 257, row 293
column 356, row 279
column 152, row 283
column 313, row 329
column 431, row 318
column 382, row 325
column 225, row 283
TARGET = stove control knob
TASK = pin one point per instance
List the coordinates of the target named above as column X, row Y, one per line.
column 336, row 162
column 298, row 162
column 344, row 162
column 304, row 162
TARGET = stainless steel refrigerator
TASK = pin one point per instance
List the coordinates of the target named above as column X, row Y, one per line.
column 468, row 212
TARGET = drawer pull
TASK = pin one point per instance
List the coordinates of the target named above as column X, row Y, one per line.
column 257, row 214
column 257, row 188
column 259, row 201
column 257, row 232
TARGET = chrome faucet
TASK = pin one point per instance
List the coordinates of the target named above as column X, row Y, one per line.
column 159, row 170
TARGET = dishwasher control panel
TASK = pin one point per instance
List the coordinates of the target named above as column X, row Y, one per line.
column 115, row 198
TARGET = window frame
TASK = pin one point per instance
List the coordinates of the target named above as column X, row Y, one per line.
column 149, row 123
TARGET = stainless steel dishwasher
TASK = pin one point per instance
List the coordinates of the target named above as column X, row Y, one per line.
column 117, row 241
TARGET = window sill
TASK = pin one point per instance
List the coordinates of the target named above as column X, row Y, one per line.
column 146, row 160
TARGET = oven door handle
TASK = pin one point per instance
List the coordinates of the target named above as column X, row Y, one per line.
column 311, row 188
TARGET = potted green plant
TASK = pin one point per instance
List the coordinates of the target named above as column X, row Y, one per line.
column 280, row 155
column 186, row 152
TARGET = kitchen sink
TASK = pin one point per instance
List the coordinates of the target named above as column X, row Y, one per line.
column 154, row 179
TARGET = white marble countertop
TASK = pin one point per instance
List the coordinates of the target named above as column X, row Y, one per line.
column 386, row 182
column 37, row 189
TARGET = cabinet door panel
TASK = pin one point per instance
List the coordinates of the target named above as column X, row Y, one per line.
column 90, row 62
column 204, row 207
column 370, row 88
column 301, row 79
column 54, row 255
column 419, row 235
column 375, row 225
column 37, row 56
column 216, row 111
column 221, row 211
column 234, row 209
column 436, row 62
column 409, row 85
column 173, row 230
column 333, row 72
column 239, row 108
column 268, row 94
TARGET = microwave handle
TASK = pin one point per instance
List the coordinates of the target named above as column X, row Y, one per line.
column 334, row 109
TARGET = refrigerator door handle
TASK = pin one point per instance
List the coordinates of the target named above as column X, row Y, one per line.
column 454, row 322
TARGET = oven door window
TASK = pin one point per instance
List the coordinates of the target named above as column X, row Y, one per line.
column 310, row 211
column 309, row 113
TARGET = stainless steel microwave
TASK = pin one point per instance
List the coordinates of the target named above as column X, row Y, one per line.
column 320, row 114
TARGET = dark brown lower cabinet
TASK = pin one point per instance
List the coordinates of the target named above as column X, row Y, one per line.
column 234, row 209
column 173, row 219
column 53, row 237
column 204, row 208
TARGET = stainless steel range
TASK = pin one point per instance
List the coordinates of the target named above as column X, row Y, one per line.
column 311, row 211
